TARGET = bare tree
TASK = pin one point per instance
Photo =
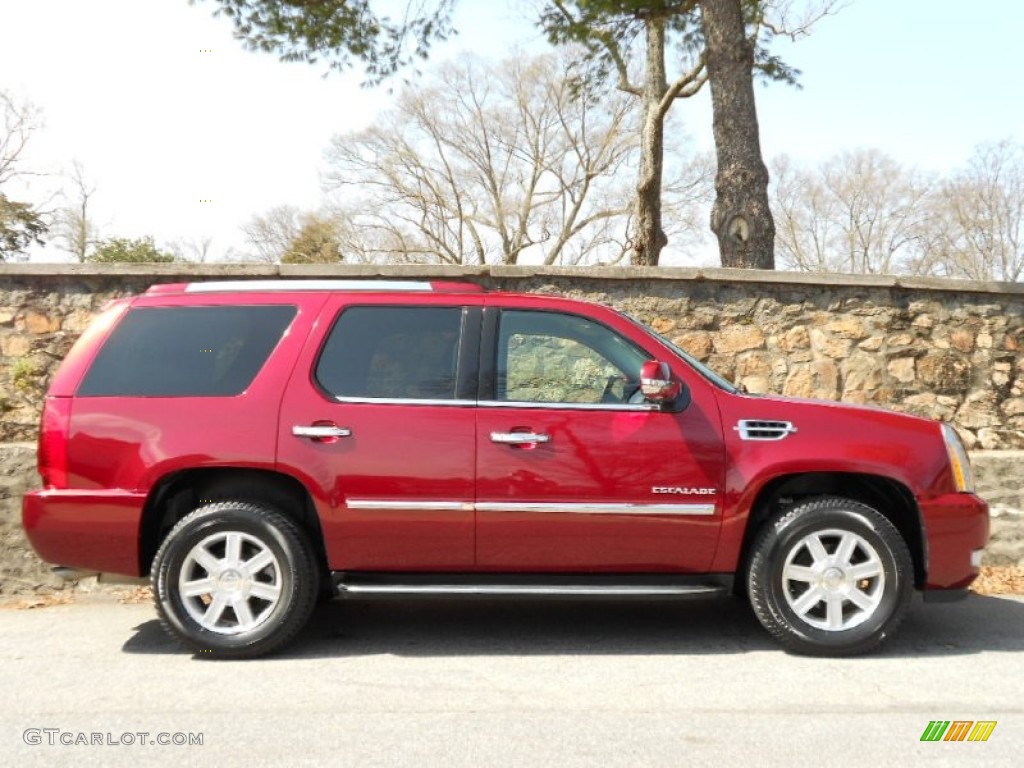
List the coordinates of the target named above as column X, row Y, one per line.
column 74, row 229
column 687, row 193
column 271, row 234
column 650, row 51
column 21, row 224
column 194, row 249
column 980, row 216
column 858, row 212
column 20, row 121
column 609, row 32
column 287, row 234
column 486, row 162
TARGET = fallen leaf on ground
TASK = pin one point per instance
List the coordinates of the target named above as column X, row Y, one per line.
column 999, row 580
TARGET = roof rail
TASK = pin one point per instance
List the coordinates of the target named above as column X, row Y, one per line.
column 223, row 286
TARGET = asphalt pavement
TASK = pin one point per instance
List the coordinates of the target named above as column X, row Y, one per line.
column 508, row 683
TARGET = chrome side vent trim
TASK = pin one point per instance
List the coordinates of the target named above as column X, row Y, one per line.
column 757, row 429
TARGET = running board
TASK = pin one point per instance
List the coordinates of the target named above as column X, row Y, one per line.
column 504, row 585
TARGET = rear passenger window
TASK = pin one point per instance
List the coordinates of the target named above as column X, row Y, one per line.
column 408, row 353
column 186, row 351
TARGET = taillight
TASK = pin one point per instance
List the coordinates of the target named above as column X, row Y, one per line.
column 53, row 442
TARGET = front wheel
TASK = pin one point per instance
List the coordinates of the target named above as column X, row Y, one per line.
column 831, row 577
column 235, row 580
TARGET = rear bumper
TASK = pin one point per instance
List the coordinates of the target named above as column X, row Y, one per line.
column 956, row 526
column 96, row 531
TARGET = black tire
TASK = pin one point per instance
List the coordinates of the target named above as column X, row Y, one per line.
column 235, row 580
column 820, row 601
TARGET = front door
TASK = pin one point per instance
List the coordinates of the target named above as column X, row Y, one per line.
column 573, row 465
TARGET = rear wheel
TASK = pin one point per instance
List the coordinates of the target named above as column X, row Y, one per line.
column 235, row 580
column 830, row 577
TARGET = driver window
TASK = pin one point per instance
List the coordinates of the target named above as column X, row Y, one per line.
column 547, row 357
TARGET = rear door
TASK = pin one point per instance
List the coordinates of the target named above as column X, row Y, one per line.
column 575, row 472
column 378, row 420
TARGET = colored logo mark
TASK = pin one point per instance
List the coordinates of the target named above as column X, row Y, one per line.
column 958, row 730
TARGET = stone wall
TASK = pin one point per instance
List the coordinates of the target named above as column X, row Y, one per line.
column 939, row 348
column 943, row 349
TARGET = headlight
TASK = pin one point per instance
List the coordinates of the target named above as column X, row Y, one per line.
column 958, row 461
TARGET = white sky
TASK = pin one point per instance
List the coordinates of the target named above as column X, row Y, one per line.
column 159, row 126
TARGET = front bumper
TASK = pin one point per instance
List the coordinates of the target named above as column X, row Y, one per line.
column 96, row 531
column 956, row 528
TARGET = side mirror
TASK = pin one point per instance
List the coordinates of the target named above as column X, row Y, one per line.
column 657, row 384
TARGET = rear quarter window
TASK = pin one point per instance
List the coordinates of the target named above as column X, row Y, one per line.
column 186, row 351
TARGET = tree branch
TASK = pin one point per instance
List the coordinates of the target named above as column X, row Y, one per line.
column 685, row 86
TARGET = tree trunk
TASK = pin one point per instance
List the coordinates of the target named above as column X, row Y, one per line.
column 740, row 217
column 650, row 237
column 81, row 229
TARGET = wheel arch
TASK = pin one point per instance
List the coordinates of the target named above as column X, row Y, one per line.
column 178, row 493
column 889, row 497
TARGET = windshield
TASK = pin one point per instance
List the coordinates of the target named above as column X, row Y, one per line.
column 687, row 358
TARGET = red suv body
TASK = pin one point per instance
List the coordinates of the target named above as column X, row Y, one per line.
column 251, row 445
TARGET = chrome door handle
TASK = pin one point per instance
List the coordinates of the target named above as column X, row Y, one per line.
column 519, row 438
column 321, row 431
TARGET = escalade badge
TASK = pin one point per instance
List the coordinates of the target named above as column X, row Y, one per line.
column 677, row 490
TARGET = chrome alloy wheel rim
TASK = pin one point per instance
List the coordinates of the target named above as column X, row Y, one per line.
column 833, row 580
column 230, row 582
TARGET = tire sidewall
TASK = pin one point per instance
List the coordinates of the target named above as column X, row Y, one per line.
column 171, row 559
column 788, row 533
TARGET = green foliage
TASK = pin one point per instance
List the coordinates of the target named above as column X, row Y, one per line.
column 22, row 372
column 316, row 243
column 20, row 227
column 344, row 32
column 123, row 250
column 340, row 32
column 610, row 30
column 768, row 66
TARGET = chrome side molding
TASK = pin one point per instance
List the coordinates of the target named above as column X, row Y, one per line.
column 571, row 508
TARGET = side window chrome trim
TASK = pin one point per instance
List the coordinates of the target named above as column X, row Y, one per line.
column 402, row 401
column 569, row 406
column 636, row 407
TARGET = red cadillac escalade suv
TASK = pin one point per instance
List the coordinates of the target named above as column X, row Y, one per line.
column 253, row 445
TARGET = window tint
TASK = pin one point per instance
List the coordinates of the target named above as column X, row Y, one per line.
column 392, row 352
column 186, row 351
column 546, row 357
